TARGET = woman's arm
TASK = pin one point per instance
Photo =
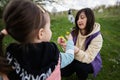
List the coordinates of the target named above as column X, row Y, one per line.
column 89, row 55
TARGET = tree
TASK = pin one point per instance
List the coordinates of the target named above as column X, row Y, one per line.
column 3, row 3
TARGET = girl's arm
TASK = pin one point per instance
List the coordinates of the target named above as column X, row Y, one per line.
column 68, row 56
column 3, row 77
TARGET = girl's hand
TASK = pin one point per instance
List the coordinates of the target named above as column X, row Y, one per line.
column 69, row 37
column 4, row 76
column 4, row 32
column 61, row 41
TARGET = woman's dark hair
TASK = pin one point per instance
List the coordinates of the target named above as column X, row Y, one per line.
column 22, row 19
column 90, row 21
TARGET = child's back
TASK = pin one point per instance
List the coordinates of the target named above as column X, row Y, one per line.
column 33, row 61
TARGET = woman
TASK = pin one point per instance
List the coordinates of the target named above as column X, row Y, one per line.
column 88, row 42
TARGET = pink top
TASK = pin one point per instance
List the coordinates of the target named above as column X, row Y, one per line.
column 56, row 75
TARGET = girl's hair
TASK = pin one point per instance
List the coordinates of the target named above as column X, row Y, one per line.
column 22, row 19
column 90, row 21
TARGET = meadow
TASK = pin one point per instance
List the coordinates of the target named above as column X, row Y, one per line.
column 110, row 24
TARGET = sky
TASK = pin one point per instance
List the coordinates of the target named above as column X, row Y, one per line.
column 89, row 3
column 64, row 5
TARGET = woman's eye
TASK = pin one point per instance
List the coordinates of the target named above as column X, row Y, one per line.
column 82, row 17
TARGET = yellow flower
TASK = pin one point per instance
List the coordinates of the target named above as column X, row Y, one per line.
column 67, row 33
column 62, row 37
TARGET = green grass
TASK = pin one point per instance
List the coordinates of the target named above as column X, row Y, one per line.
column 111, row 47
column 110, row 25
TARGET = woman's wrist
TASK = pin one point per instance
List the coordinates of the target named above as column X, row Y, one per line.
column 76, row 49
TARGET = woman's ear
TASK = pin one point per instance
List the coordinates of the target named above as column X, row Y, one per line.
column 40, row 34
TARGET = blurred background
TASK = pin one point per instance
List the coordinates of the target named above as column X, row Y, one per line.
column 54, row 6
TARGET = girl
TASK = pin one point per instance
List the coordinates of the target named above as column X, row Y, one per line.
column 88, row 42
column 32, row 56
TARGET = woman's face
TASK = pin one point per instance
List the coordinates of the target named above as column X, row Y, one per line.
column 82, row 20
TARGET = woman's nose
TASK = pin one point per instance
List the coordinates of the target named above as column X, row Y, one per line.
column 79, row 20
